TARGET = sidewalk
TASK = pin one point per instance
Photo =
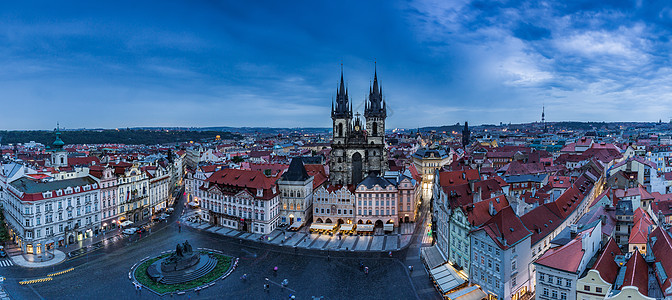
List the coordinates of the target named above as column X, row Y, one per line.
column 305, row 240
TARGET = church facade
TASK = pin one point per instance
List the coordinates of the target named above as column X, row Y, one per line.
column 357, row 148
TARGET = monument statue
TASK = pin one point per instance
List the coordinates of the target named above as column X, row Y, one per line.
column 182, row 258
column 183, row 265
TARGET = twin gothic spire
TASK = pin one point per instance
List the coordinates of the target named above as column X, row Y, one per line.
column 374, row 106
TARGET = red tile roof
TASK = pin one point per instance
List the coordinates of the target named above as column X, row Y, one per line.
column 606, row 264
column 479, row 212
column 636, row 273
column 566, row 258
column 457, row 177
column 234, row 180
column 320, row 175
column 662, row 251
column 505, row 228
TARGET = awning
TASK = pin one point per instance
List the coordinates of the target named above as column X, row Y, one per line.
column 347, row 227
column 323, row 226
column 446, row 278
column 432, row 256
column 469, row 293
column 296, row 225
column 61, row 239
column 49, row 242
column 364, row 228
column 388, row 227
column 125, row 223
column 192, row 203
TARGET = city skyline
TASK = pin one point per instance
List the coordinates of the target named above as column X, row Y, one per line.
column 274, row 65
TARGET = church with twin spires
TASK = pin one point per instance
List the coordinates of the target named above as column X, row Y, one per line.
column 357, row 148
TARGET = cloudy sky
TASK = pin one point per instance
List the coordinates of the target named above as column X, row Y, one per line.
column 277, row 64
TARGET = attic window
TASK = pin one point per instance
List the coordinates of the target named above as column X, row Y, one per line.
column 511, row 229
column 253, row 177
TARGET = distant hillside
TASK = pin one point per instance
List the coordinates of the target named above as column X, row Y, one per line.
column 131, row 137
column 447, row 128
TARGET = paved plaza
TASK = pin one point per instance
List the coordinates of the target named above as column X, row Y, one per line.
column 378, row 242
column 320, row 267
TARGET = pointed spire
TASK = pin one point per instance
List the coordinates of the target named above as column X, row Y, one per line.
column 342, row 87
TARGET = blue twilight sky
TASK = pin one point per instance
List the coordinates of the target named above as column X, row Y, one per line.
column 277, row 63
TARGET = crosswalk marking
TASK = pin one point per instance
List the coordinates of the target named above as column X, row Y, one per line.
column 6, row 263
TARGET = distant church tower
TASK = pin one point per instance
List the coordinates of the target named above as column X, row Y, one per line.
column 466, row 135
column 356, row 151
column 59, row 157
column 543, row 118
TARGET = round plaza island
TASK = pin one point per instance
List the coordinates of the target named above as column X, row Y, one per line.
column 182, row 269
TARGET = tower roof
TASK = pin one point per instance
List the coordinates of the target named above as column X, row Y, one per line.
column 341, row 108
column 375, row 106
column 58, row 143
column 296, row 171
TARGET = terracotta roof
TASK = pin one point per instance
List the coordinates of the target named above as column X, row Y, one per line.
column 635, row 273
column 479, row 212
column 505, row 228
column 234, row 180
column 566, row 258
column 662, row 251
column 320, row 175
column 457, row 177
column 606, row 264
column 83, row 161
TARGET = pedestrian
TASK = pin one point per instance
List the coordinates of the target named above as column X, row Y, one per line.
column 410, row 268
column 361, row 265
column 140, row 287
column 366, row 270
column 390, row 253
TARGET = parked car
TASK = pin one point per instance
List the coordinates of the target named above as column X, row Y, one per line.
column 130, row 230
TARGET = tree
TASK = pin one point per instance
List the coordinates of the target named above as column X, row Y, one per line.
column 237, row 159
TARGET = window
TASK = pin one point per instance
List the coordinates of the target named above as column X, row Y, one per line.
column 569, row 282
column 563, row 296
column 598, row 289
column 545, row 291
column 541, row 276
column 586, row 288
column 550, row 279
column 554, row 294
column 558, row 281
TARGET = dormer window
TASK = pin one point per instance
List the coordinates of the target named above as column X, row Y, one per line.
column 76, row 189
column 260, row 192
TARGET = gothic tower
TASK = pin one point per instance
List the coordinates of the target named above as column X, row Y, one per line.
column 375, row 113
column 341, row 114
column 357, row 151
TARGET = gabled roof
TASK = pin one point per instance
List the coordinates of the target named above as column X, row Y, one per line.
column 565, row 258
column 373, row 180
column 505, row 228
column 235, row 180
column 479, row 212
column 635, row 273
column 606, row 264
column 457, row 177
column 318, row 173
column 662, row 251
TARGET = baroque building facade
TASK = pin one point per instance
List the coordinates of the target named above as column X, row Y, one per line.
column 357, row 151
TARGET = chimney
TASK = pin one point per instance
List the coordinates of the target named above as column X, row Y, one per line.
column 491, row 209
column 572, row 231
